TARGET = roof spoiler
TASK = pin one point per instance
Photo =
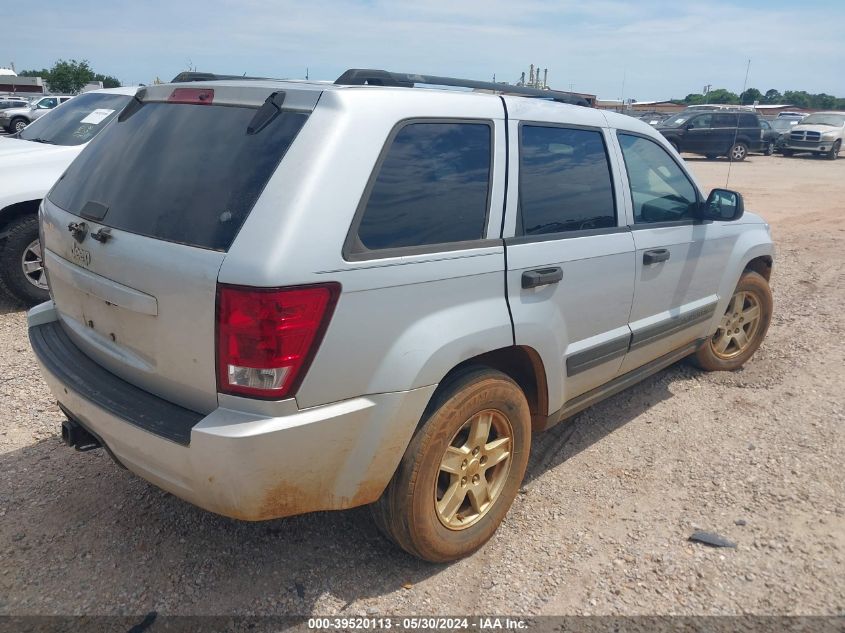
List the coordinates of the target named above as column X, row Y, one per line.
column 374, row 77
column 190, row 75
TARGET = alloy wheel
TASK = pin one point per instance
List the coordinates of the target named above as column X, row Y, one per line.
column 473, row 470
column 33, row 265
column 738, row 152
column 738, row 328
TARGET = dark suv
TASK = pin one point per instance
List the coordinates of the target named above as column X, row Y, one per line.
column 714, row 133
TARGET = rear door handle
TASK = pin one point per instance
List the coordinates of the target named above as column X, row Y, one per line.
column 655, row 256
column 541, row 277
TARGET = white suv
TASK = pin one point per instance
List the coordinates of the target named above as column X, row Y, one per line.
column 278, row 297
column 30, row 162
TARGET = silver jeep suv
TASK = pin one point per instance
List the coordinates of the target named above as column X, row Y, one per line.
column 275, row 297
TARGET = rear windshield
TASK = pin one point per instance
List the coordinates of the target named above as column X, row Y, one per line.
column 177, row 172
column 77, row 121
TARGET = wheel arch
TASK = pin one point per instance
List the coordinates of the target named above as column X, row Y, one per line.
column 17, row 210
column 520, row 363
column 762, row 265
column 754, row 251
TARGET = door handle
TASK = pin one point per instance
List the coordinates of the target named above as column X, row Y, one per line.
column 655, row 256
column 541, row 277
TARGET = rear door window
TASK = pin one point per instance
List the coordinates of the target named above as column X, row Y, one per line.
column 178, row 172
column 564, row 181
column 431, row 188
column 749, row 120
column 724, row 120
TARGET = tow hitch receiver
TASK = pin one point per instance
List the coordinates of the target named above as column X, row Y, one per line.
column 75, row 435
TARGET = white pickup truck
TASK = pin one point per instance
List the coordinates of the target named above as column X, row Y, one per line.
column 821, row 133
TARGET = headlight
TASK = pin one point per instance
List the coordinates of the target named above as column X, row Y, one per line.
column 830, row 135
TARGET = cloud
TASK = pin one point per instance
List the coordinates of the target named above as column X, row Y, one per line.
column 661, row 49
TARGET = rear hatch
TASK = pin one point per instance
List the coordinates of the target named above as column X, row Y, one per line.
column 137, row 228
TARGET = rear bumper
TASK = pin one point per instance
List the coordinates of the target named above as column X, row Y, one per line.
column 240, row 464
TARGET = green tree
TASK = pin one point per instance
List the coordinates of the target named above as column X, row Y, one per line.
column 798, row 98
column 772, row 96
column 69, row 76
column 823, row 101
column 751, row 95
column 721, row 95
column 108, row 80
column 34, row 73
column 694, row 98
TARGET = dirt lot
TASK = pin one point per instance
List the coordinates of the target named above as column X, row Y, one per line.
column 601, row 528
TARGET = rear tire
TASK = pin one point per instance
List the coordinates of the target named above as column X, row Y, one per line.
column 20, row 262
column 738, row 153
column 17, row 125
column 711, row 156
column 462, row 469
column 742, row 328
column 786, row 152
column 770, row 149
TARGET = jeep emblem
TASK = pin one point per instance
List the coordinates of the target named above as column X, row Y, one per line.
column 80, row 255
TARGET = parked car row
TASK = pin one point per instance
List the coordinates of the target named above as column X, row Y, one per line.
column 736, row 133
column 16, row 119
column 275, row 297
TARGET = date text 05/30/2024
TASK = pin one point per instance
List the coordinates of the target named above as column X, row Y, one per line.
column 377, row 623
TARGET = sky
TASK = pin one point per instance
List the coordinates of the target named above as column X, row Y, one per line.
column 644, row 49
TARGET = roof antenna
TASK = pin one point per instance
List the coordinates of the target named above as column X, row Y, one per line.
column 736, row 129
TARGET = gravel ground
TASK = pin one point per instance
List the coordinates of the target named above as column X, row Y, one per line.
column 601, row 526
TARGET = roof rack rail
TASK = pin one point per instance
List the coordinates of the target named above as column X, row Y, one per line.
column 190, row 75
column 373, row 77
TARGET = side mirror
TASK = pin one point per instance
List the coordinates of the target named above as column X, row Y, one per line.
column 723, row 205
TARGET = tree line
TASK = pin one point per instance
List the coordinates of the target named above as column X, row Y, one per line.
column 797, row 98
column 70, row 76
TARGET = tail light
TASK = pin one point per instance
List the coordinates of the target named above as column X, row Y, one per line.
column 267, row 337
column 197, row 96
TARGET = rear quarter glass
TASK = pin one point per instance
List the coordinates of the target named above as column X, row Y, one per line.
column 177, row 172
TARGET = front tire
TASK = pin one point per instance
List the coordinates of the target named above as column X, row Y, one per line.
column 21, row 268
column 462, row 469
column 787, row 152
column 742, row 328
column 739, row 152
column 833, row 154
column 770, row 149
